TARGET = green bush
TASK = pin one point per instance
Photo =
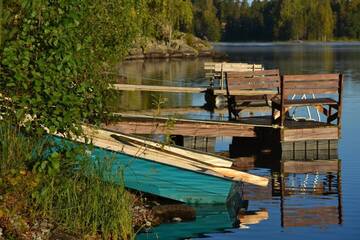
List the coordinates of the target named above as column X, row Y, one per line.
column 52, row 58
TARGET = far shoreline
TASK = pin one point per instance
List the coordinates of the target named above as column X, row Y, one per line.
column 288, row 43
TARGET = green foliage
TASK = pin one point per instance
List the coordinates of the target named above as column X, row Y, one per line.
column 82, row 195
column 52, row 56
column 206, row 23
column 160, row 18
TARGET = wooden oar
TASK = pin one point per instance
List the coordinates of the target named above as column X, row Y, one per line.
column 203, row 157
column 198, row 157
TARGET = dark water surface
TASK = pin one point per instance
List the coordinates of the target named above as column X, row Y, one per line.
column 315, row 205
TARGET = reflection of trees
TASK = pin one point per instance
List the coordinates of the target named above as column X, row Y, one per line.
column 175, row 72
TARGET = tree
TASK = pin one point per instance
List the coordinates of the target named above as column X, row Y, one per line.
column 206, row 23
column 52, row 56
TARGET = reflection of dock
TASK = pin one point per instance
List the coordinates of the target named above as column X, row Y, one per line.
column 313, row 178
column 309, row 189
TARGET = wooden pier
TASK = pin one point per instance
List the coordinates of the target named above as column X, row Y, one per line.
column 244, row 127
column 245, row 84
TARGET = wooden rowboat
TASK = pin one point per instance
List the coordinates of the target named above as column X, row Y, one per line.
column 168, row 171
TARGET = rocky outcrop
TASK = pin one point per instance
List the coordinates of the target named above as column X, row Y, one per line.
column 182, row 46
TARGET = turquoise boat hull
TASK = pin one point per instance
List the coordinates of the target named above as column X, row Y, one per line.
column 164, row 180
column 168, row 181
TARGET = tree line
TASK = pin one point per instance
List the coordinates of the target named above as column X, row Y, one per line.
column 273, row 20
column 256, row 20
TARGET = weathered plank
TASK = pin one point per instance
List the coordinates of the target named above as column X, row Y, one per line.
column 182, row 128
column 300, row 91
column 151, row 88
column 312, row 77
column 253, row 74
column 300, row 217
column 304, row 102
column 300, row 134
column 227, row 67
column 316, row 166
column 313, row 84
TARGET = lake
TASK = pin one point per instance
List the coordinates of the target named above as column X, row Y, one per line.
column 317, row 205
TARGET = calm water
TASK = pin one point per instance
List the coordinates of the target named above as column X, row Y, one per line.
column 316, row 206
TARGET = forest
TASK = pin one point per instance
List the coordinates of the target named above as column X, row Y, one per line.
column 277, row 20
column 257, row 20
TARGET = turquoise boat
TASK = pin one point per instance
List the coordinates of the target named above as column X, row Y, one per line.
column 171, row 172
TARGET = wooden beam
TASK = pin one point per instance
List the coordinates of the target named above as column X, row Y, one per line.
column 170, row 89
column 300, row 134
column 181, row 128
column 151, row 88
column 321, row 166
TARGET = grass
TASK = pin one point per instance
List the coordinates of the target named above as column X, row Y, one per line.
column 15, row 148
column 64, row 185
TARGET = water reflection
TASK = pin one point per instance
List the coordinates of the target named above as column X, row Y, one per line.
column 308, row 193
column 305, row 197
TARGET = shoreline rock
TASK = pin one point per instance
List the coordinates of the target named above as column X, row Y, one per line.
column 183, row 46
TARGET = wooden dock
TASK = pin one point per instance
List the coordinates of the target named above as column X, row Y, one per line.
column 244, row 127
column 246, row 83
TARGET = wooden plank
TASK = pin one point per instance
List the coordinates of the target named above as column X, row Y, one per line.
column 300, row 134
column 252, row 92
column 312, row 101
column 151, row 88
column 253, row 85
column 138, row 117
column 254, row 73
column 300, row 217
column 253, row 217
column 192, row 154
column 312, row 84
column 225, row 67
column 314, row 166
column 340, row 92
column 181, row 128
column 242, row 81
column 311, row 77
column 301, row 91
